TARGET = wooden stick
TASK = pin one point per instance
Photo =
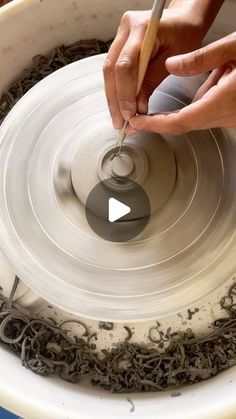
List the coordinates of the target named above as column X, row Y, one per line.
column 149, row 41
column 144, row 57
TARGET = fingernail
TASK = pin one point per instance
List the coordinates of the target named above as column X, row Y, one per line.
column 134, row 122
column 176, row 60
column 131, row 131
column 126, row 115
column 117, row 123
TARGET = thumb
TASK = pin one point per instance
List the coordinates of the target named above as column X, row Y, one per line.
column 204, row 59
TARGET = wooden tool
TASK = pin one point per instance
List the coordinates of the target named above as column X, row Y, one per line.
column 144, row 57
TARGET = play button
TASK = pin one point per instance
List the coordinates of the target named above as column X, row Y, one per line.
column 117, row 209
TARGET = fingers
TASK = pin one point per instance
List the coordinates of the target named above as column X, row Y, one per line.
column 204, row 59
column 109, row 77
column 121, row 67
column 218, row 77
column 202, row 114
column 155, row 74
column 142, row 102
column 126, row 72
column 211, row 81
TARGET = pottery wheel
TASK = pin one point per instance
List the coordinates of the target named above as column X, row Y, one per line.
column 56, row 146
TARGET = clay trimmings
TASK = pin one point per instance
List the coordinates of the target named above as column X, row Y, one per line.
column 47, row 349
column 43, row 66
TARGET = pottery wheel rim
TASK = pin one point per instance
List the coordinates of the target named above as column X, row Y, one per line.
column 186, row 250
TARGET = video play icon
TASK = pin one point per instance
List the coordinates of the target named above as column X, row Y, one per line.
column 117, row 209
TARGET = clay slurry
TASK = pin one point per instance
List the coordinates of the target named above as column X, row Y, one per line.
column 117, row 210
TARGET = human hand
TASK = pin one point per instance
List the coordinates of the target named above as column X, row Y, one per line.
column 179, row 32
column 3, row 2
column 214, row 104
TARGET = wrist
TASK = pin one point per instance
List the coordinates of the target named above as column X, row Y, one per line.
column 185, row 25
column 199, row 13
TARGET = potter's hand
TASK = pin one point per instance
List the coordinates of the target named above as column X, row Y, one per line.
column 214, row 104
column 175, row 36
column 182, row 28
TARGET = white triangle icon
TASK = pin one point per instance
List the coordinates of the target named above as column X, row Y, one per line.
column 116, row 210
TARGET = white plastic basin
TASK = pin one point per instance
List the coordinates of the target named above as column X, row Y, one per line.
column 29, row 27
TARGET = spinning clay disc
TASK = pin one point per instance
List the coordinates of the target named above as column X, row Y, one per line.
column 56, row 147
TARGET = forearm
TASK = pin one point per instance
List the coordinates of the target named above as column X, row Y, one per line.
column 202, row 12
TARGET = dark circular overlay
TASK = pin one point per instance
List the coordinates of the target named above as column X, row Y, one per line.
column 120, row 192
